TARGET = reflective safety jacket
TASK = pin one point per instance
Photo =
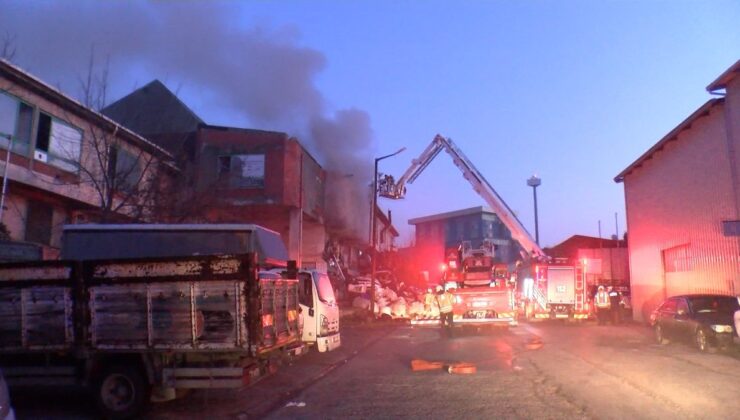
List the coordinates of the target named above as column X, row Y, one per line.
column 601, row 300
column 429, row 299
column 445, row 301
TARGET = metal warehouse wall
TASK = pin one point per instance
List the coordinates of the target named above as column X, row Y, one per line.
column 680, row 197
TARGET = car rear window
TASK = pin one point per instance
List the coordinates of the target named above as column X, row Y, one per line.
column 669, row 306
column 721, row 304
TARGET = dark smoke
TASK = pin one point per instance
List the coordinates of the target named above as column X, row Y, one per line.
column 260, row 73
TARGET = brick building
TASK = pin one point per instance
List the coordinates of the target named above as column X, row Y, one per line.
column 606, row 259
column 65, row 161
column 683, row 204
column 438, row 232
column 238, row 175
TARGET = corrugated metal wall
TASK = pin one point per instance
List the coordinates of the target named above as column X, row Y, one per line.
column 680, row 197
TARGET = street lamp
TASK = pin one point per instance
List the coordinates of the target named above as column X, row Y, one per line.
column 373, row 241
column 535, row 182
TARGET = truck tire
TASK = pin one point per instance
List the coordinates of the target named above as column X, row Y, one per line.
column 122, row 392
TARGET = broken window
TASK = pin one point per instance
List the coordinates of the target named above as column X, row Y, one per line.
column 242, row 171
column 59, row 142
column 39, row 222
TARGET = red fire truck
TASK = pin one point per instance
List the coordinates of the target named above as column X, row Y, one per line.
column 483, row 293
column 555, row 289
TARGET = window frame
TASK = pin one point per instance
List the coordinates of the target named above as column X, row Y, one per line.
column 60, row 162
column 235, row 180
column 20, row 146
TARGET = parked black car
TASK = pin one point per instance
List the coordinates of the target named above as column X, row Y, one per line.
column 707, row 320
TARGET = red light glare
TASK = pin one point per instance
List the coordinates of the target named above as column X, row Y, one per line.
column 443, row 267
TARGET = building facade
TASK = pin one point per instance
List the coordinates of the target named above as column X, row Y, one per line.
column 605, row 261
column 436, row 233
column 682, row 200
column 69, row 163
column 240, row 175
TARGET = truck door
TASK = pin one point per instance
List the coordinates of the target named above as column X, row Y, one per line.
column 561, row 285
column 308, row 312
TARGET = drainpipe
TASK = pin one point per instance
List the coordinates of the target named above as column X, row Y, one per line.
column 5, row 173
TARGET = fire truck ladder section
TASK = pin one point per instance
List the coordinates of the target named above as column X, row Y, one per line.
column 396, row 190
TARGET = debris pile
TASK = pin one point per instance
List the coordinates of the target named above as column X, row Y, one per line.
column 393, row 298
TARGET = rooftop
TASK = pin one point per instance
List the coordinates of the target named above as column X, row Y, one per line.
column 671, row 136
column 725, row 78
column 451, row 214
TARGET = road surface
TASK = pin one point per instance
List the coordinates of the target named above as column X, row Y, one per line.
column 578, row 371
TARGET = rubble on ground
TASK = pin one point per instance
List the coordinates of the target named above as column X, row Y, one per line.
column 393, row 299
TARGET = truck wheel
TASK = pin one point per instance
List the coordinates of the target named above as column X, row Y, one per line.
column 122, row 392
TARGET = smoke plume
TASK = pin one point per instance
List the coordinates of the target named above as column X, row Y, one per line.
column 261, row 74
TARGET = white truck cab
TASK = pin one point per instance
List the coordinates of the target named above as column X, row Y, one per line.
column 319, row 310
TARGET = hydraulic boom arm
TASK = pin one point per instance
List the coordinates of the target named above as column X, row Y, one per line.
column 391, row 189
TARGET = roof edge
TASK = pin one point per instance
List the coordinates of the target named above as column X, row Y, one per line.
column 454, row 213
column 51, row 91
column 672, row 135
column 725, row 78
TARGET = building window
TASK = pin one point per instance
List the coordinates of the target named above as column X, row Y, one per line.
column 124, row 171
column 16, row 119
column 677, row 259
column 474, row 229
column 731, row 227
column 39, row 222
column 242, row 171
column 58, row 143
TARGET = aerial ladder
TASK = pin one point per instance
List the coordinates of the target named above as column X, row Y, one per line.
column 389, row 188
column 533, row 256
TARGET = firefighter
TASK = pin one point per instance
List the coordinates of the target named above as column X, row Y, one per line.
column 428, row 301
column 602, row 303
column 614, row 298
column 445, row 300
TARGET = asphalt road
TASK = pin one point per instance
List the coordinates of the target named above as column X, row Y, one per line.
column 579, row 371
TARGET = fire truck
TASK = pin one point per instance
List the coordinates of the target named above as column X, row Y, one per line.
column 545, row 288
column 553, row 289
column 481, row 297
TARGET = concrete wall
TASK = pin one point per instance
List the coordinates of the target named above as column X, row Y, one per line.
column 680, row 198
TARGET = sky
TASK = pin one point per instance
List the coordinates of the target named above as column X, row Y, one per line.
column 573, row 91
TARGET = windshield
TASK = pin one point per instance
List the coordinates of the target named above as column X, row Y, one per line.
column 721, row 304
column 324, row 288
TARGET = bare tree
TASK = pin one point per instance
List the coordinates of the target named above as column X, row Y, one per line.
column 136, row 182
column 7, row 47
